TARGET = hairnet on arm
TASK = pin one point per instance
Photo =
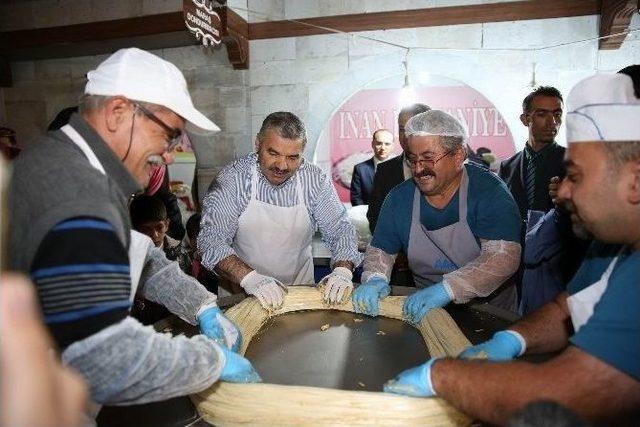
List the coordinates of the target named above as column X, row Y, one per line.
column 377, row 263
column 128, row 363
column 163, row 281
column 498, row 260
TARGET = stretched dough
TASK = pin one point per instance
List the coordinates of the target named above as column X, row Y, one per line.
column 228, row 404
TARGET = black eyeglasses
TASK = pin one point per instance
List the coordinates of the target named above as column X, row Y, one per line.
column 430, row 161
column 174, row 136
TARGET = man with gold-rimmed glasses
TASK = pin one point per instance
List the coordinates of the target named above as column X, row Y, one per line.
column 457, row 223
column 71, row 233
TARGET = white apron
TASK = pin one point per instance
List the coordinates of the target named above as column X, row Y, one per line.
column 276, row 240
column 434, row 253
column 581, row 304
column 140, row 243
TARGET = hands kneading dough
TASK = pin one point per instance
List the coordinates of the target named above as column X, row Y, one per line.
column 269, row 291
column 337, row 285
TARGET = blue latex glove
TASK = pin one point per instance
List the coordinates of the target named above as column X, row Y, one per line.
column 419, row 303
column 216, row 326
column 413, row 382
column 237, row 369
column 503, row 346
column 366, row 296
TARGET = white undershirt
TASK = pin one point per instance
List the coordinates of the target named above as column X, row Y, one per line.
column 406, row 170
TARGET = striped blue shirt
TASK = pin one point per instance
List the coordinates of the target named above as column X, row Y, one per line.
column 230, row 194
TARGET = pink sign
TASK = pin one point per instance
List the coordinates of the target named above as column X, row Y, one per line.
column 352, row 126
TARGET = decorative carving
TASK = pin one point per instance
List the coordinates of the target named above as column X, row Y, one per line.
column 615, row 17
column 235, row 35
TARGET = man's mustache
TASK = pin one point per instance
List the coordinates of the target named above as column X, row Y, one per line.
column 425, row 173
column 277, row 170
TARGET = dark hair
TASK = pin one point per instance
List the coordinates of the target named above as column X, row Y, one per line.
column 193, row 226
column 287, row 124
column 415, row 109
column 621, row 152
column 540, row 91
column 633, row 71
column 145, row 209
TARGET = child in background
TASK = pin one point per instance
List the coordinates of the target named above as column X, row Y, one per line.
column 149, row 216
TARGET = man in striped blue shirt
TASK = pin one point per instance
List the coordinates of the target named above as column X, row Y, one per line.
column 262, row 211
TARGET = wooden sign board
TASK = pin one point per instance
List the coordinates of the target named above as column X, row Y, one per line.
column 202, row 21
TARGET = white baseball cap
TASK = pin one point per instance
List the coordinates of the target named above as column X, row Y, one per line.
column 603, row 108
column 143, row 76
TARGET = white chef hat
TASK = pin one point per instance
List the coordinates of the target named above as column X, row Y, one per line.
column 603, row 108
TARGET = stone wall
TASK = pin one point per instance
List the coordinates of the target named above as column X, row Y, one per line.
column 312, row 76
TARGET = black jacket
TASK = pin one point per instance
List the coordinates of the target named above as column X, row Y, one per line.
column 388, row 175
column 362, row 182
column 511, row 171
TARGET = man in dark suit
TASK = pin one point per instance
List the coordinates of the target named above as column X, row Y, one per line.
column 528, row 172
column 394, row 171
column 362, row 178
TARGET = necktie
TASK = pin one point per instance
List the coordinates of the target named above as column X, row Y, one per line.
column 530, row 179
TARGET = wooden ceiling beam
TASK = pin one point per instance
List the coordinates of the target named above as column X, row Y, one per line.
column 615, row 17
column 168, row 29
column 235, row 35
column 437, row 16
column 96, row 37
column 148, row 32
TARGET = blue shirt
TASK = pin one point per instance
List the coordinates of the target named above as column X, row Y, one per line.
column 492, row 213
column 230, row 194
column 612, row 334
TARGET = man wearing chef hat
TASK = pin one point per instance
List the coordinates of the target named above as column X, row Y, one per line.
column 594, row 325
column 71, row 233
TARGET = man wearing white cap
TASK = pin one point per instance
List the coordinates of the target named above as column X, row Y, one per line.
column 594, row 324
column 71, row 232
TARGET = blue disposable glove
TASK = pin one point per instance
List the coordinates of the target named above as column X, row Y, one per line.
column 366, row 296
column 237, row 369
column 413, row 382
column 216, row 326
column 504, row 345
column 419, row 303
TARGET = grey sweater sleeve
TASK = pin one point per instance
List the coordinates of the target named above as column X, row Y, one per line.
column 163, row 282
column 128, row 363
